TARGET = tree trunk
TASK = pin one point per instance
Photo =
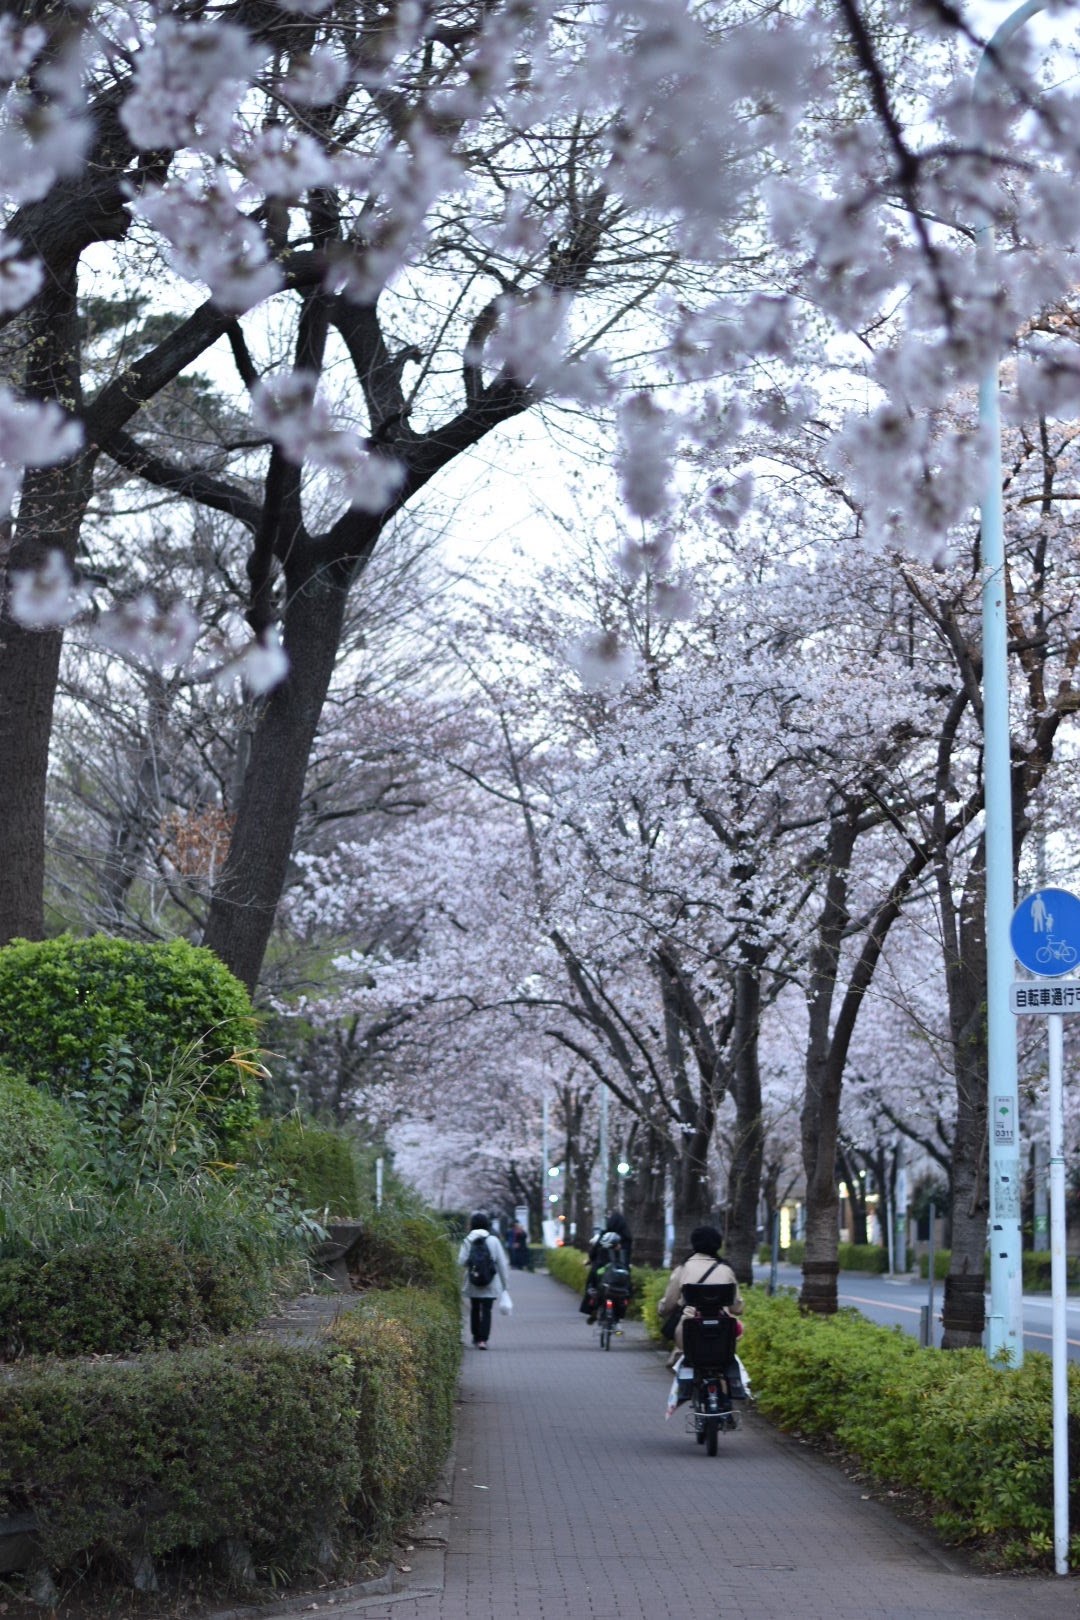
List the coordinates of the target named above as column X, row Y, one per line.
column 964, row 1314
column 643, row 1198
column 29, row 664
column 246, row 896
column 748, row 1147
column 824, row 1068
column 693, row 1200
column 51, row 509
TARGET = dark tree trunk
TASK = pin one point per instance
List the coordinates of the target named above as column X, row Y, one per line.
column 29, row 662
column 964, row 1314
column 694, row 1204
column 748, row 1147
column 246, row 896
column 643, row 1197
column 824, row 1067
column 51, row 510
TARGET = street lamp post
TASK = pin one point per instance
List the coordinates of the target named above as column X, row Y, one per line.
column 1004, row 1335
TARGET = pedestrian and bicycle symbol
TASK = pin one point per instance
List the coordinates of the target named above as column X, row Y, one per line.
column 1045, row 932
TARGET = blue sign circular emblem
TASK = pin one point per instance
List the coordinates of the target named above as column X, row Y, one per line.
column 1045, row 932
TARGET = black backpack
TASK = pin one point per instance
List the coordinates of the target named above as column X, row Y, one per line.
column 481, row 1263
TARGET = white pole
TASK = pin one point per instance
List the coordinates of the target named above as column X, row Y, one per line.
column 1059, row 1346
column 378, row 1183
column 900, row 1213
column 1004, row 1328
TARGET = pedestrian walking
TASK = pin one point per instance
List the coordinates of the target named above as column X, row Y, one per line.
column 519, row 1248
column 486, row 1274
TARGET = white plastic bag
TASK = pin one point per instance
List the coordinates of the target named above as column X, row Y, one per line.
column 673, row 1398
column 506, row 1304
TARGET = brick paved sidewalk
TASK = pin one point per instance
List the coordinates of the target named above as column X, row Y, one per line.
column 574, row 1499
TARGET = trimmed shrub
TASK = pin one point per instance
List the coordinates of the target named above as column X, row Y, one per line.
column 314, row 1163
column 36, row 1131
column 975, row 1441
column 251, row 1441
column 850, row 1256
column 863, row 1257
column 1035, row 1262
column 407, row 1250
column 68, row 1005
column 279, row 1447
column 569, row 1266
column 113, row 1296
column 404, row 1346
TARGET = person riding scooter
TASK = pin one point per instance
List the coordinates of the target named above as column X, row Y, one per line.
column 703, row 1264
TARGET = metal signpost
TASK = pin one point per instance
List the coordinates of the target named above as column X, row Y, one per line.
column 1045, row 934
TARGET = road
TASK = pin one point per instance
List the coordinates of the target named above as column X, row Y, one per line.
column 897, row 1302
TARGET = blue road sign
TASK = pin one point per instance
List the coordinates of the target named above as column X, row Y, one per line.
column 1045, row 932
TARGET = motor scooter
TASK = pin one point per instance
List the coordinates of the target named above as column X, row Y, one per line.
column 709, row 1340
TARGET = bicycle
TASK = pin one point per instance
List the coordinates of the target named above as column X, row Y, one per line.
column 614, row 1286
column 607, row 1320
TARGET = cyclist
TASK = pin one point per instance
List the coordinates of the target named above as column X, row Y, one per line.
column 610, row 1244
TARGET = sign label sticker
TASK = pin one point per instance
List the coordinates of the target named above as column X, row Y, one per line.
column 1004, row 1122
column 1005, row 1192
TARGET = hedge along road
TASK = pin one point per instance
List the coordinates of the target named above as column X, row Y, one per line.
column 898, row 1301
column 572, row 1498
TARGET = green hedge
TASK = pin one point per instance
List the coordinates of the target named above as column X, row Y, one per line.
column 114, row 1296
column 851, row 1256
column 404, row 1347
column 314, row 1163
column 973, row 1440
column 1036, row 1268
column 36, row 1130
column 408, row 1250
column 66, row 1005
column 277, row 1447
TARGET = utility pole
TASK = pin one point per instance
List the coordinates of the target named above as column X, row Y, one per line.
column 1004, row 1328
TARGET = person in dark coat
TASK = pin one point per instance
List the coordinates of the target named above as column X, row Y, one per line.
column 602, row 1251
column 519, row 1247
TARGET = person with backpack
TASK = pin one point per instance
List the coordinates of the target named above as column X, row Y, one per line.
column 610, row 1244
column 487, row 1275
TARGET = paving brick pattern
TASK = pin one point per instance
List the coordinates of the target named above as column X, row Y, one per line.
column 574, row 1499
